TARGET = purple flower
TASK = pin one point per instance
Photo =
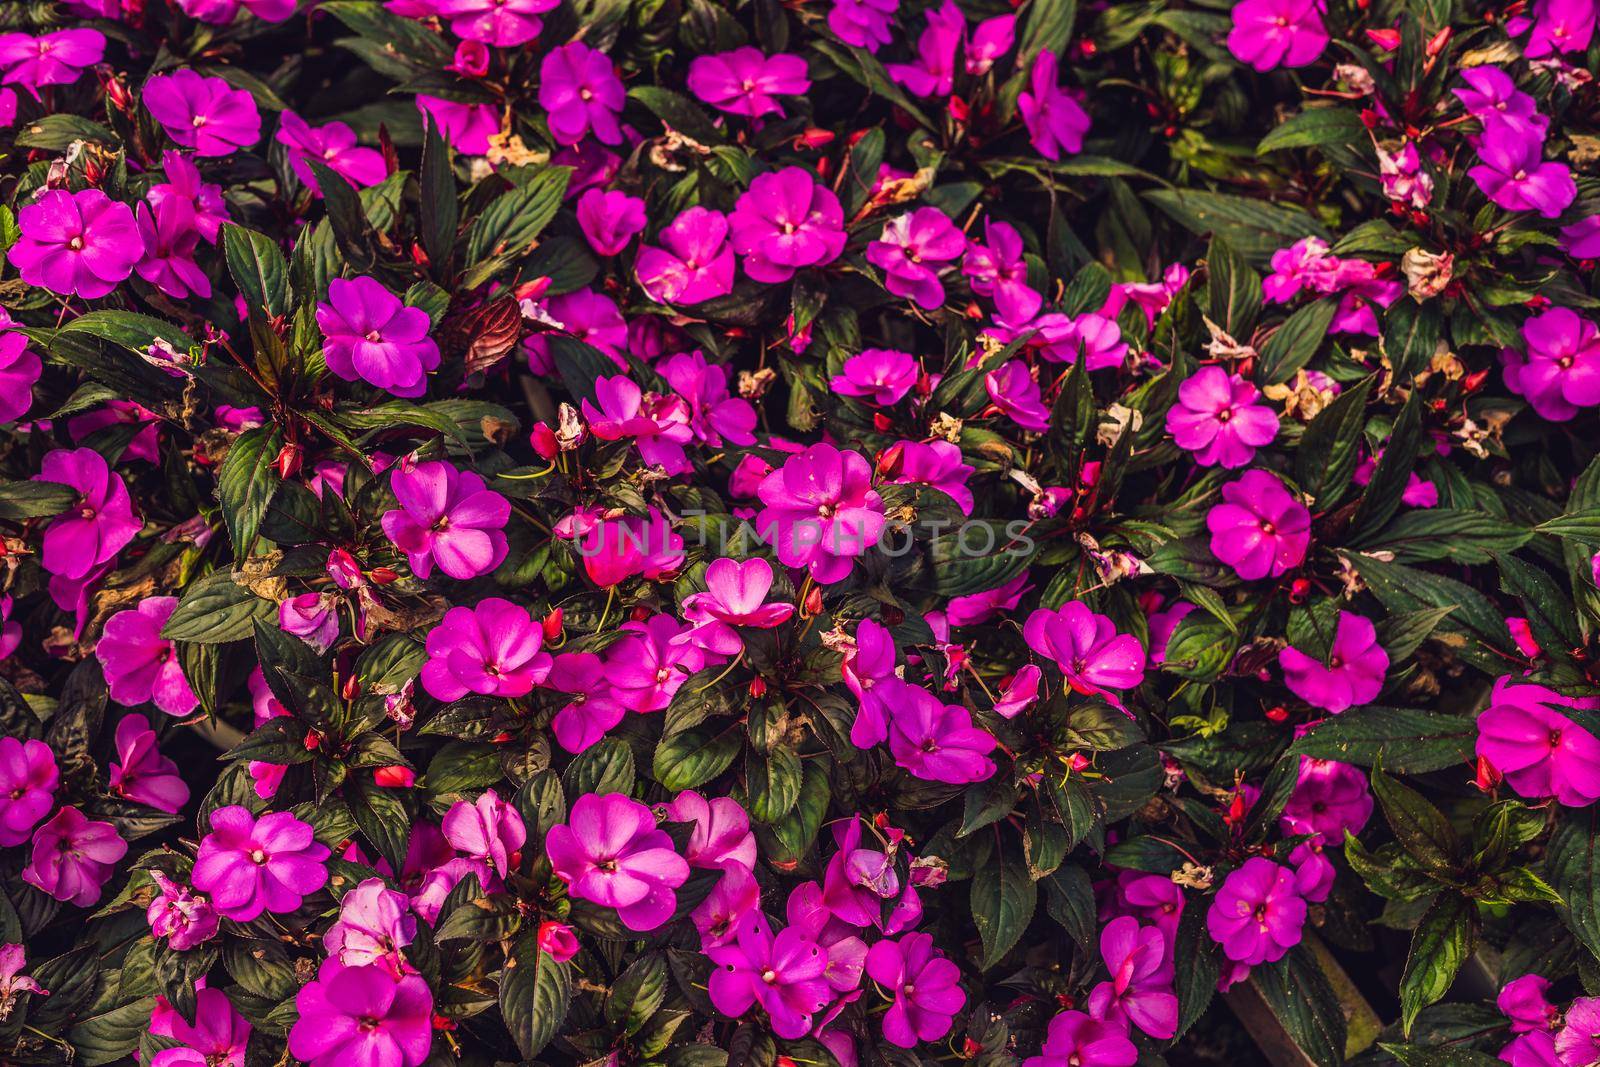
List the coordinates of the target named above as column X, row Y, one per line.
column 1537, row 1048
column 1217, row 418
column 446, row 516
column 1055, row 120
column 498, row 23
column 217, row 1037
column 1560, row 26
column 467, row 127
column 695, row 264
column 362, row 1017
column 184, row 918
column 782, row 973
column 1140, row 989
column 1578, row 1041
column 73, row 857
column 1260, row 528
column 593, row 709
column 1277, row 33
column 871, row 662
column 934, row 72
column 28, row 778
column 786, row 221
column 658, row 425
column 249, row 865
column 997, row 264
column 859, row 880
column 745, row 82
column 863, row 23
column 334, row 146
column 1492, row 97
column 913, row 250
column 1541, row 752
column 1514, row 176
column 493, row 649
column 938, row 464
column 881, row 375
column 1581, row 240
column 1016, row 394
column 1086, row 648
column 587, row 315
column 718, row 917
column 171, row 234
column 312, row 617
column 714, row 416
column 12, row 982
column 609, row 220
column 1560, row 372
column 488, row 830
column 736, row 595
column 610, row 851
column 20, row 368
column 992, row 39
column 820, row 512
column 375, row 923
column 1523, row 1001
column 721, row 839
column 1075, row 1040
column 139, row 664
column 647, row 667
column 926, row 987
column 222, row 12
column 1257, row 915
column 580, row 89
column 76, row 244
column 1353, row 674
column 143, row 774
column 1328, row 799
column 372, row 336
column 933, row 740
column 205, row 114
column 49, row 59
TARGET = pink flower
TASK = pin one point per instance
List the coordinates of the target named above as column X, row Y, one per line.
column 1257, row 915
column 28, row 779
column 1523, row 1001
column 1075, row 1040
column 871, row 662
column 557, row 941
column 205, row 114
column 820, row 511
column 1329, row 798
column 1019, row 692
column 913, row 250
column 714, row 416
column 719, row 916
column 934, row 741
column 222, row 12
column 446, row 516
column 647, row 667
column 362, row 1017
column 76, row 244
column 488, row 829
column 142, row 665
column 217, row 1037
column 1086, row 648
column 736, row 594
column 1541, row 751
column 1560, row 372
column 493, row 649
column 859, row 880
column 20, row 368
column 1537, row 1048
column 933, row 73
column 695, row 264
column 1491, row 96
column 1578, row 1041
column 997, row 266
column 721, row 839
column 171, row 235
column 373, row 337
column 975, row 608
column 1015, row 393
column 1352, row 675
column 580, row 89
column 145, row 444
column 992, row 39
column 1055, row 120
column 1218, row 419
column 609, row 220
column 467, row 127
column 498, row 23
column 1512, row 173
column 587, row 315
column 74, row 857
column 267, row 776
column 614, row 550
column 183, row 917
column 746, row 82
column 937, row 464
column 312, row 617
column 334, row 146
column 863, row 23
column 1581, row 240
column 1277, row 33
column 658, row 425
column 782, row 973
column 143, row 774
column 881, row 375
column 1140, row 989
column 926, row 987
column 594, row 708
column 249, row 865
column 786, row 221
column 12, row 982
column 375, row 923
column 49, row 59
column 610, row 851
column 1259, row 529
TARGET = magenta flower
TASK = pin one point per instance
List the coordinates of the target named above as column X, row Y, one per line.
column 1512, row 173
column 647, row 667
column 362, row 1017
column 1581, row 240
column 593, row 709
column 1578, row 1041
column 1277, row 33
column 372, row 336
column 557, row 940
column 714, row 416
column 580, row 89
column 859, row 880
column 736, row 594
column 863, row 23
column 143, row 774
column 76, row 244
column 870, row 663
column 222, row 12
column 488, row 830
column 1140, row 989
column 589, row 316
column 1523, row 1001
column 997, row 265
column 249, row 865
column 1217, row 417
column 932, row 740
column 183, row 917
column 1086, row 648
column 1257, row 915
column 171, row 235
column 57, row 58
column 938, row 464
column 205, row 114
column 1016, row 394
column 1329, row 798
column 1260, row 529
column 446, row 516
column 28, row 779
column 1560, row 372
column 1536, row 1048
column 1075, row 1040
column 785, row 222
column 217, row 1037
column 497, row 23
column 1541, row 752
column 913, row 250
column 926, row 988
column 721, row 840
column 718, row 917
column 609, row 220
column 992, row 39
column 1055, row 119
column 610, row 851
column 614, row 550
column 20, row 368
column 74, row 857
column 782, row 973
column 746, row 82
column 139, row 664
column 820, row 512
column 467, row 127
column 695, row 263
column 493, row 649
column 1353, row 674
column 934, row 71
column 334, row 146
column 881, row 375
column 312, row 617
column 1491, row 96
column 658, row 426
column 1558, row 26
column 375, row 923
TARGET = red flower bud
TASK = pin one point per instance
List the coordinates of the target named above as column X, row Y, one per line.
column 383, row 575
column 313, row 740
column 758, row 687
column 1277, row 713
column 1474, row 381
column 1299, row 589
column 881, row 422
column 442, row 1023
column 959, row 109
column 813, row 602
column 351, row 687
column 288, row 461
column 1438, row 41
column 394, row 777
column 891, row 460
column 970, row 1048
column 552, row 624
column 543, row 440
column 557, row 941
column 1388, row 40
column 1488, row 776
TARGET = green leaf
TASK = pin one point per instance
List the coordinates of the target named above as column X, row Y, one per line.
column 128, row 329
column 1411, row 336
column 604, row 767
column 1419, row 826
column 440, row 208
column 1459, row 536
column 1582, row 526
column 637, row 993
column 1314, row 127
column 1438, row 1056
column 246, row 483
column 258, row 269
column 216, row 609
column 1195, row 980
column 1441, row 944
column 1329, row 449
column 55, row 133
column 773, row 781
column 513, row 221
column 677, row 112
column 690, row 758
column 1304, row 1003
column 351, row 229
column 1069, row 900
column 1003, row 900
column 1255, row 228
column 1046, row 27
column 1233, row 289
column 1572, row 866
column 1404, row 741
column 1292, row 345
column 535, row 992
column 1382, row 496
column 35, row 500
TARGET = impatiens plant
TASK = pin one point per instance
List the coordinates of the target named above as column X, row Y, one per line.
column 832, row 533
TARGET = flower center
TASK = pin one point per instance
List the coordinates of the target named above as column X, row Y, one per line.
column 76, row 244
column 1565, row 362
column 1225, row 414
column 769, row 976
column 585, row 94
column 258, row 856
column 1555, row 738
column 1267, row 528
